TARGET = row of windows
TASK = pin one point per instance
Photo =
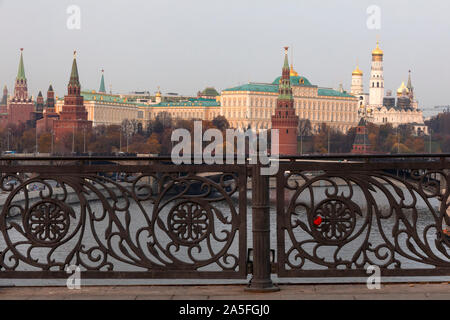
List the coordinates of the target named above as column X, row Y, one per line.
column 261, row 102
column 267, row 125
column 314, row 116
column 187, row 114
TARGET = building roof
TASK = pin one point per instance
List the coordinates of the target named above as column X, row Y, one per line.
column 210, row 91
column 295, row 81
column 255, row 87
column 263, row 87
column 357, row 71
column 334, row 93
column 200, row 102
column 377, row 51
column 104, row 97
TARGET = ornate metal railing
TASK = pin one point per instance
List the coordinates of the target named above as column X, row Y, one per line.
column 347, row 216
column 148, row 218
column 140, row 219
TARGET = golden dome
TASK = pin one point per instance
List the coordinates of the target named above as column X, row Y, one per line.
column 377, row 51
column 293, row 72
column 357, row 72
column 401, row 89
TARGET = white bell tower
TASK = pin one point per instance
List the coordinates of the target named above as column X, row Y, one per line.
column 376, row 90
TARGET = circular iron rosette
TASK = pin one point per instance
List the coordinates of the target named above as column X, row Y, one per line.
column 351, row 220
column 195, row 224
column 37, row 225
column 328, row 220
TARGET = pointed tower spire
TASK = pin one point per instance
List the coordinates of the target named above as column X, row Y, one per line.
column 285, row 90
column 21, row 87
column 40, row 102
column 74, row 79
column 50, row 99
column 102, row 83
column 74, row 83
column 21, row 71
column 409, row 86
column 286, row 59
column 4, row 100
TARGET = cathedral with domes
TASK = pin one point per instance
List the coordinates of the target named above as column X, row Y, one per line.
column 380, row 106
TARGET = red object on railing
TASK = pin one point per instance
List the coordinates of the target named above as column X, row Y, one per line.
column 318, row 221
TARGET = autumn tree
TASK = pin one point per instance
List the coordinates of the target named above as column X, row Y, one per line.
column 221, row 123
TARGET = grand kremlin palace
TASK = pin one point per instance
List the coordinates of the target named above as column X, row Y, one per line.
column 246, row 106
column 253, row 104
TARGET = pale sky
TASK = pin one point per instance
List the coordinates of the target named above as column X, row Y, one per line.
column 185, row 45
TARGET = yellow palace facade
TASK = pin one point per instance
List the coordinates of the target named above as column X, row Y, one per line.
column 252, row 105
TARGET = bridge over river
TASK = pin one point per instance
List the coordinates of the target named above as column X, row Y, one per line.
column 146, row 220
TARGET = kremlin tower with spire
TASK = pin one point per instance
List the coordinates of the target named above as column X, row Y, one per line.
column 285, row 119
column 73, row 118
column 21, row 107
column 45, row 124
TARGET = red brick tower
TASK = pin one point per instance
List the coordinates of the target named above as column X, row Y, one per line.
column 285, row 119
column 49, row 115
column 20, row 107
column 73, row 117
column 362, row 143
column 39, row 107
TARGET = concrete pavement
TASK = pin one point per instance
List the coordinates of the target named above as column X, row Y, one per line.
column 417, row 291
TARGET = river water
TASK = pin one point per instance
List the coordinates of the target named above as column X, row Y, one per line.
column 138, row 219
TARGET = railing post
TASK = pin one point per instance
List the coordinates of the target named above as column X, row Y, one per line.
column 261, row 278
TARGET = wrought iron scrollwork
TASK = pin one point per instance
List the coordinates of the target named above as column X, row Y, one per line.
column 339, row 222
column 159, row 224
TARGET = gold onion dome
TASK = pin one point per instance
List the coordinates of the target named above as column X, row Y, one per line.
column 293, row 72
column 377, row 51
column 402, row 88
column 357, row 72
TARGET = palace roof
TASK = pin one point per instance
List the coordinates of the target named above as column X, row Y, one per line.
column 199, row 102
column 333, row 93
column 255, row 87
column 104, row 97
column 296, row 81
column 264, row 87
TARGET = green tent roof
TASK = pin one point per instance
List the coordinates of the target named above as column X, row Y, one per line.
column 21, row 71
column 74, row 79
column 102, row 84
